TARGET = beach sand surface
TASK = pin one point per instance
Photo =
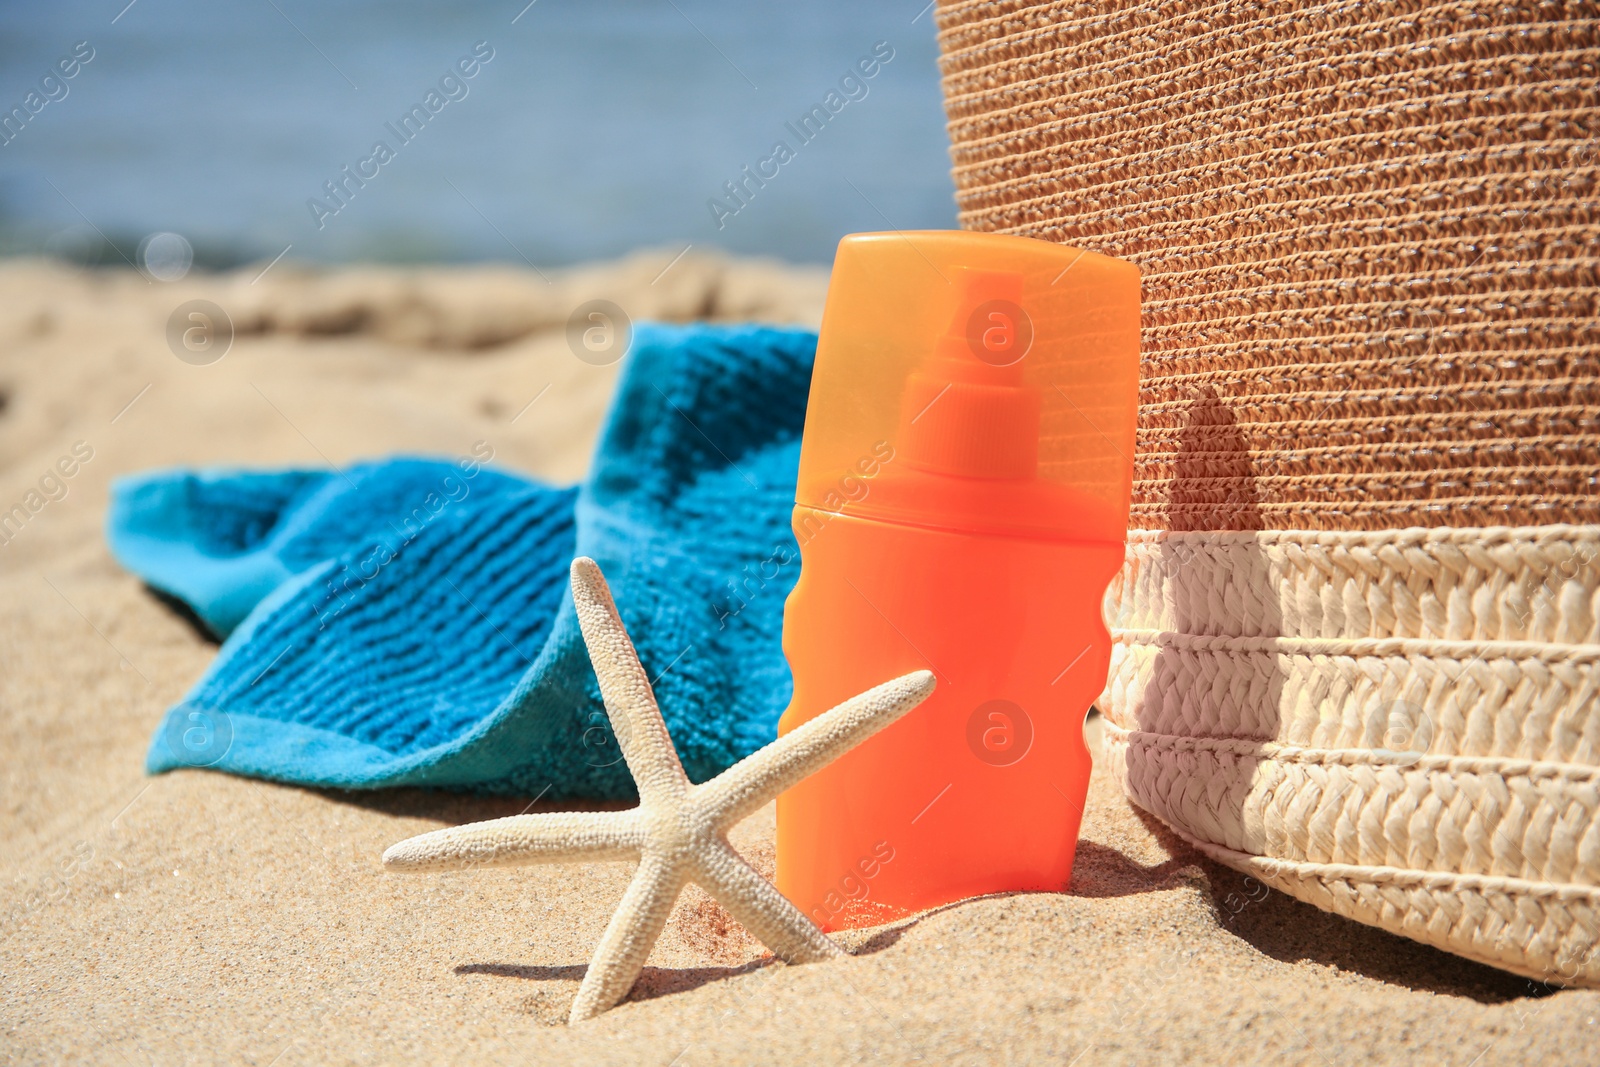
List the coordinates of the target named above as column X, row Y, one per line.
column 202, row 918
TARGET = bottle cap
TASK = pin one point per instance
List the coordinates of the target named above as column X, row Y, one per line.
column 975, row 382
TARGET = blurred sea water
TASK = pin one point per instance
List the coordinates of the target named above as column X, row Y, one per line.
column 583, row 131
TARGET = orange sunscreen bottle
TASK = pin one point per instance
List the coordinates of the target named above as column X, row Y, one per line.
column 962, row 504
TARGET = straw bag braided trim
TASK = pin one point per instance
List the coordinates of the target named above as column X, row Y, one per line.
column 1475, row 700
column 1270, row 741
column 1538, row 583
column 1194, row 797
column 1492, row 818
column 1238, row 748
column 1545, row 932
column 1365, row 646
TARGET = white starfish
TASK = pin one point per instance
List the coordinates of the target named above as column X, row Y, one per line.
column 678, row 833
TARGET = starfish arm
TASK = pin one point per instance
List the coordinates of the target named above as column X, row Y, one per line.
column 630, row 701
column 806, row 749
column 519, row 840
column 764, row 911
column 630, row 936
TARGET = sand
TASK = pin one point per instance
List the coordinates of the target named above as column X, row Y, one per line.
column 197, row 917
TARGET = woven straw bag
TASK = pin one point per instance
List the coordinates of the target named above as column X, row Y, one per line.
column 1356, row 634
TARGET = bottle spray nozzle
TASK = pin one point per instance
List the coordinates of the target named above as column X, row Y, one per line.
column 969, row 411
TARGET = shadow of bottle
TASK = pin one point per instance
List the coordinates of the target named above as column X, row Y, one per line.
column 1215, row 582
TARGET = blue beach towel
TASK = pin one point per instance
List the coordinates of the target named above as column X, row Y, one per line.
column 408, row 622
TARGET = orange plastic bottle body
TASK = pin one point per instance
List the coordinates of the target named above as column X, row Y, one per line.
column 961, row 505
column 982, row 789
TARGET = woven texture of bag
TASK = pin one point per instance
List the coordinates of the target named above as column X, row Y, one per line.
column 1356, row 633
